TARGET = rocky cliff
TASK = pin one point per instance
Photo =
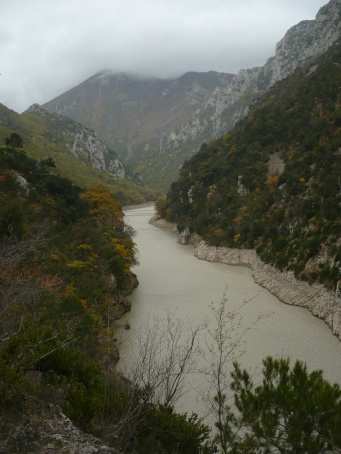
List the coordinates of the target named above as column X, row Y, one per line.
column 229, row 103
column 81, row 141
column 321, row 302
column 157, row 124
column 273, row 182
column 44, row 428
column 143, row 119
column 324, row 304
column 77, row 151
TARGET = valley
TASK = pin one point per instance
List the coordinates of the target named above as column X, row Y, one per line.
column 172, row 282
column 170, row 241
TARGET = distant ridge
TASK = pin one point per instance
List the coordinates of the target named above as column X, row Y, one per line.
column 156, row 124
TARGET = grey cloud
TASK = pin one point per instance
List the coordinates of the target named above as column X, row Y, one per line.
column 46, row 47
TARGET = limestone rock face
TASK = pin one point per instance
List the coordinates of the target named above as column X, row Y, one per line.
column 230, row 103
column 157, row 124
column 82, row 142
column 321, row 302
column 45, row 429
column 306, row 40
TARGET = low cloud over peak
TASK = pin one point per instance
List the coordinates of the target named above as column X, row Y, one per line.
column 47, row 47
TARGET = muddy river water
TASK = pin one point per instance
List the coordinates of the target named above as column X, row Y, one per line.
column 173, row 282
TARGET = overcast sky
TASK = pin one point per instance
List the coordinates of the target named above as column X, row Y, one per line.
column 47, row 46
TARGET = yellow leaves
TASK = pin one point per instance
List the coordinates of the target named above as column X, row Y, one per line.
column 84, row 303
column 55, row 257
column 78, row 264
column 236, row 238
column 121, row 249
column 103, row 205
column 85, row 247
column 302, row 180
column 70, row 291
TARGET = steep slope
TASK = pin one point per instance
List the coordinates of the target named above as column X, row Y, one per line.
column 157, row 124
column 65, row 266
column 274, row 182
column 136, row 115
column 82, row 142
column 77, row 151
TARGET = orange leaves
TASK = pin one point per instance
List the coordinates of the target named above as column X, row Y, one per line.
column 272, row 182
column 239, row 219
column 49, row 282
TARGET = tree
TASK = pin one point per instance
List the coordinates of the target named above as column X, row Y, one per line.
column 291, row 411
column 104, row 207
column 226, row 343
column 14, row 140
column 163, row 358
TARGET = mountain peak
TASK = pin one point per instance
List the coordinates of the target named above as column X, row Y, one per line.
column 36, row 108
column 156, row 124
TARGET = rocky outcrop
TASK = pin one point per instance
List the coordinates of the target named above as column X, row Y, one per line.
column 87, row 146
column 42, row 429
column 230, row 103
column 157, row 124
column 82, row 142
column 163, row 224
column 321, row 302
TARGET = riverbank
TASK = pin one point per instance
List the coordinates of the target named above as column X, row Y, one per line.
column 139, row 205
column 321, row 302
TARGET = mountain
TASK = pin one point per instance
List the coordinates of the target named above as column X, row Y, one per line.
column 82, row 142
column 156, row 125
column 77, row 151
column 138, row 116
column 273, row 183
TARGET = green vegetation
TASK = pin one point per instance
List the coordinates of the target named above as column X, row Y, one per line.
column 273, row 183
column 291, row 411
column 45, row 138
column 65, row 269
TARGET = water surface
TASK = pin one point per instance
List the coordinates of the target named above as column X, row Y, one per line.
column 173, row 281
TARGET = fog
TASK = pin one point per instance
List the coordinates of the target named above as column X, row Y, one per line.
column 47, row 47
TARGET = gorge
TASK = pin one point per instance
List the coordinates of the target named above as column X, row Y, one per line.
column 174, row 282
column 170, row 251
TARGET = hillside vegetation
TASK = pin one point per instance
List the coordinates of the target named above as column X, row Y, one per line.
column 274, row 182
column 141, row 117
column 65, row 269
column 156, row 124
column 45, row 138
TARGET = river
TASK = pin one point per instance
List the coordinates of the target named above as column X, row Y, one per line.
column 172, row 281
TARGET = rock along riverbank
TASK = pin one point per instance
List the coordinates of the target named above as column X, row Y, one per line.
column 320, row 301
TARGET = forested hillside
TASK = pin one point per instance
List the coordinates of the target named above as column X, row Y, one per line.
column 274, row 182
column 65, row 264
column 65, row 270
column 78, row 153
column 157, row 124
